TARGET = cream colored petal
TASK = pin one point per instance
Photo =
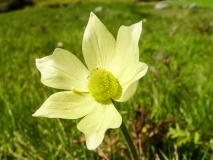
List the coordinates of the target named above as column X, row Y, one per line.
column 63, row 70
column 129, row 92
column 127, row 52
column 95, row 124
column 129, row 88
column 98, row 45
column 68, row 105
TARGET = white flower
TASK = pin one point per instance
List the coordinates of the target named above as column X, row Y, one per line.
column 112, row 73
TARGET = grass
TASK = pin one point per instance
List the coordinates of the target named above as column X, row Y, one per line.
column 175, row 96
column 201, row 3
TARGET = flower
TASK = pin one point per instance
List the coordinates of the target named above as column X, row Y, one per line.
column 112, row 73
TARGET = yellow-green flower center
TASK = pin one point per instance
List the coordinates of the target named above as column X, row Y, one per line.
column 102, row 85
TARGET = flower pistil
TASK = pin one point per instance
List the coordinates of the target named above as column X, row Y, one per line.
column 102, row 85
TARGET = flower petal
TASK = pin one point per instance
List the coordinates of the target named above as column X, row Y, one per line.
column 68, row 105
column 63, row 70
column 98, row 45
column 97, row 122
column 127, row 52
column 128, row 92
column 129, row 88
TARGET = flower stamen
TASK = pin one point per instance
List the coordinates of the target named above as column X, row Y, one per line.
column 102, row 85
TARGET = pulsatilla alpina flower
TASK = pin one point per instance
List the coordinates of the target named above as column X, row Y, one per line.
column 112, row 73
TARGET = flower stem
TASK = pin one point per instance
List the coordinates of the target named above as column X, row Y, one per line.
column 129, row 142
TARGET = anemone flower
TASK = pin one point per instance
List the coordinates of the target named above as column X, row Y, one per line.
column 112, row 74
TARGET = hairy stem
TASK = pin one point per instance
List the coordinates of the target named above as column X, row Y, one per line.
column 129, row 142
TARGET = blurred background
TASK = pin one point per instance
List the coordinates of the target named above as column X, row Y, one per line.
column 170, row 115
column 7, row 5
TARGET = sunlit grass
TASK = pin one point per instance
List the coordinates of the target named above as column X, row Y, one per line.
column 175, row 43
column 200, row 3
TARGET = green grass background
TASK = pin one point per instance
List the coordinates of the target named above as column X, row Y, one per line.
column 203, row 3
column 177, row 45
